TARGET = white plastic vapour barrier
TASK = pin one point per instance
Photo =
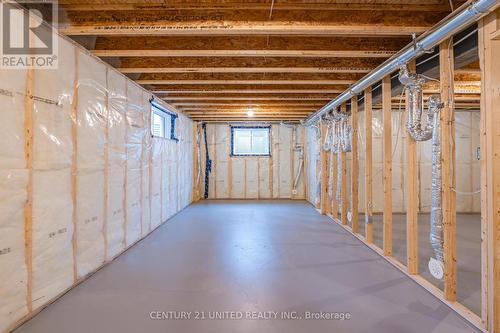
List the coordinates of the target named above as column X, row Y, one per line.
column 253, row 177
column 98, row 181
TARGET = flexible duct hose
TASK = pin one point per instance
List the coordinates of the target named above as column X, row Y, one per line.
column 419, row 132
column 414, row 125
column 436, row 232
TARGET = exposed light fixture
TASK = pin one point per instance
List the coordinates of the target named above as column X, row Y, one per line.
column 250, row 113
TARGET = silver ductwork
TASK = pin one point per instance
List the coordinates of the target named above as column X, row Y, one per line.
column 464, row 16
column 329, row 146
column 341, row 142
column 346, row 135
column 436, row 230
column 418, row 130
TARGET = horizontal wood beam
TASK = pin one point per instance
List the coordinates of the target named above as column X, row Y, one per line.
column 252, row 91
column 249, row 62
column 250, row 106
column 69, row 5
column 169, row 82
column 249, row 103
column 256, row 114
column 247, row 117
column 238, row 28
column 246, row 53
column 249, row 99
column 132, row 70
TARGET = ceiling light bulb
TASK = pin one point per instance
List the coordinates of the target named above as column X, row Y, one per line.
column 250, row 113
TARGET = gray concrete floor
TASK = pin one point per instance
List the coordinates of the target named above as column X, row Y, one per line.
column 468, row 252
column 248, row 256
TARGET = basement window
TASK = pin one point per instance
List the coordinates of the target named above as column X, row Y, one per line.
column 250, row 141
column 163, row 123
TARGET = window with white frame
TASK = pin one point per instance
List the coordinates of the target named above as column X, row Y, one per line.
column 162, row 122
column 250, row 141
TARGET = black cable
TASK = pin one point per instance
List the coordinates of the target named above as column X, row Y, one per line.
column 208, row 164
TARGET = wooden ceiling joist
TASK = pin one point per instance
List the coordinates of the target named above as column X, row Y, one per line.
column 245, row 53
column 131, row 70
column 252, row 91
column 246, row 62
column 247, row 22
column 215, row 60
column 374, row 5
column 239, row 82
column 231, row 99
column 244, row 113
column 232, row 28
column 250, row 103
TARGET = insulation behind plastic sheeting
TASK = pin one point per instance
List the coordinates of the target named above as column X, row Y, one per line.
column 221, row 159
column 312, row 148
column 186, row 166
column 252, row 178
column 13, row 182
column 13, row 273
column 146, row 166
column 92, row 165
column 12, row 90
column 52, row 234
column 164, row 181
column 52, row 158
column 286, row 162
column 91, row 123
column 275, row 151
column 135, row 135
column 238, row 184
column 116, row 214
column 172, row 178
column 115, row 223
column 264, row 178
column 156, row 183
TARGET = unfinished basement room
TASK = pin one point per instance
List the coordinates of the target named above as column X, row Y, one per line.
column 260, row 166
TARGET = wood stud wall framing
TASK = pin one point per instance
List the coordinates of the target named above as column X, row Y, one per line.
column 387, row 164
column 368, row 167
column 354, row 166
column 489, row 51
column 412, row 193
column 448, row 167
column 489, row 41
column 344, row 204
